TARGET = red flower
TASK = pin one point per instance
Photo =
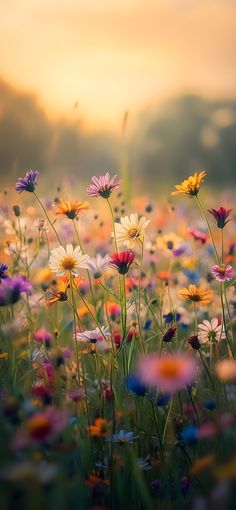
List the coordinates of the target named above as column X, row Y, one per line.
column 122, row 261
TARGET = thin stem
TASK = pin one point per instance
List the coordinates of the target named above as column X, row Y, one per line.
column 46, row 214
column 74, row 317
column 113, row 223
column 193, row 406
column 209, row 228
column 167, row 420
column 222, row 245
column 88, row 273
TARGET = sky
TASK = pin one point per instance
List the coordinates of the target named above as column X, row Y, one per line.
column 97, row 59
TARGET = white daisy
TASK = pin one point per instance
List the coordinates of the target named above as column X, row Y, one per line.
column 97, row 264
column 67, row 259
column 93, row 335
column 210, row 331
column 96, row 337
column 130, row 230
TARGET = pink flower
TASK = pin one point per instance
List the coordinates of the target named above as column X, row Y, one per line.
column 103, row 186
column 169, row 372
column 222, row 273
column 42, row 426
column 42, row 335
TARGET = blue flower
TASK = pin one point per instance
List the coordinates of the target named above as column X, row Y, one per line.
column 193, row 276
column 28, row 182
column 189, row 434
column 210, row 404
column 170, row 317
column 162, row 399
column 148, row 324
column 133, row 383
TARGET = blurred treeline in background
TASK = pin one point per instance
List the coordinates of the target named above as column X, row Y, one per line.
column 162, row 145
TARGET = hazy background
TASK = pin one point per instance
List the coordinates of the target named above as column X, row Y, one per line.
column 144, row 86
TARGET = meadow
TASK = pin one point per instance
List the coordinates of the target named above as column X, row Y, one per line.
column 117, row 348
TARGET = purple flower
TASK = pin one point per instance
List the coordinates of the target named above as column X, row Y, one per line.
column 222, row 273
column 3, row 269
column 103, row 186
column 220, row 216
column 28, row 182
column 11, row 289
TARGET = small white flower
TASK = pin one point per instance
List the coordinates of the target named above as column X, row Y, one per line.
column 122, row 437
column 67, row 259
column 210, row 331
column 130, row 230
column 97, row 264
column 93, row 335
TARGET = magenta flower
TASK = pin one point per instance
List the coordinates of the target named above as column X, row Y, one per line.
column 103, row 186
column 222, row 273
column 220, row 216
column 44, row 336
column 28, row 182
column 122, row 261
column 12, row 288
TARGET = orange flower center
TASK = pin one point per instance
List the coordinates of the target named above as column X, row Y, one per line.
column 133, row 232
column 38, row 426
column 68, row 263
column 169, row 369
column 222, row 269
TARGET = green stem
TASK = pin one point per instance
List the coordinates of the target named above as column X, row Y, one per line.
column 193, row 406
column 74, row 317
column 113, row 223
column 48, row 219
column 167, row 421
column 88, row 273
column 209, row 228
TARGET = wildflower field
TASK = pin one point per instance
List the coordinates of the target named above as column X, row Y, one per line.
column 117, row 348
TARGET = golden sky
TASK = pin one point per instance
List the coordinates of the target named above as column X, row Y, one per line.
column 117, row 55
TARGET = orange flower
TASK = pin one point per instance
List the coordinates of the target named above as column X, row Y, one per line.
column 38, row 426
column 164, row 275
column 93, row 481
column 191, row 185
column 60, row 293
column 201, row 464
column 226, row 370
column 99, row 429
column 196, row 294
column 71, row 209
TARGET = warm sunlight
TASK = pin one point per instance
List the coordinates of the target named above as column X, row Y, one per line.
column 104, row 57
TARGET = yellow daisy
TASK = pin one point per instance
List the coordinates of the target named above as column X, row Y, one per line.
column 196, row 294
column 191, row 185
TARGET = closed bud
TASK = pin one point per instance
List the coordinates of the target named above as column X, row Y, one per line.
column 16, row 210
column 194, row 342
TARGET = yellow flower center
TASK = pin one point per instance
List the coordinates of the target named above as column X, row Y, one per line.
column 169, row 369
column 221, row 269
column 68, row 263
column 133, row 232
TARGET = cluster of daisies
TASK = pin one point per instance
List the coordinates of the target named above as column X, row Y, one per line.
column 139, row 335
